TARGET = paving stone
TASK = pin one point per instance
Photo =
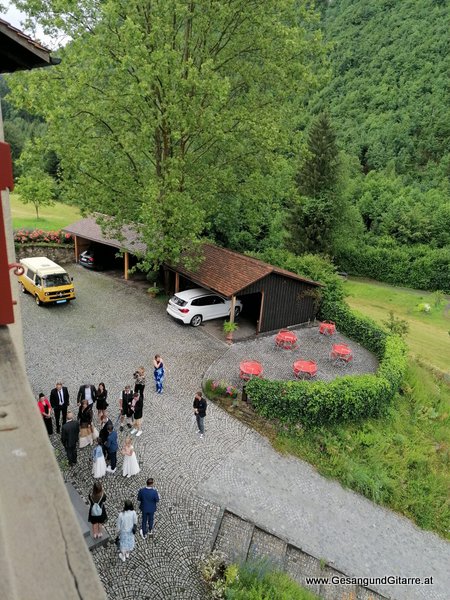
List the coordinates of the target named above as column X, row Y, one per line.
column 111, row 329
column 234, row 537
column 268, row 548
column 277, row 363
column 299, row 565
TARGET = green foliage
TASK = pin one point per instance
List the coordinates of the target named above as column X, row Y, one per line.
column 19, row 126
column 171, row 114
column 258, row 581
column 387, row 94
column 319, row 169
column 438, row 298
column 230, row 326
column 419, row 267
column 396, row 325
column 35, row 185
column 387, row 100
column 313, row 215
column 349, row 398
column 219, row 389
column 400, row 460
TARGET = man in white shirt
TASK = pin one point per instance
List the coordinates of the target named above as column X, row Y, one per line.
column 59, row 399
column 87, row 392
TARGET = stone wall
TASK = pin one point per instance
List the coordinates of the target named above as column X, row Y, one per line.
column 59, row 254
column 240, row 540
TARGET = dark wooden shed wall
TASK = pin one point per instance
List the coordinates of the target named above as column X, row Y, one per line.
column 286, row 301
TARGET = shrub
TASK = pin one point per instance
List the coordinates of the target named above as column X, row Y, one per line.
column 348, row 398
column 215, row 389
column 416, row 266
column 38, row 236
column 259, row 581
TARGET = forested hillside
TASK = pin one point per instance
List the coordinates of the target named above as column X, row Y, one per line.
column 388, row 101
column 258, row 125
column 389, row 90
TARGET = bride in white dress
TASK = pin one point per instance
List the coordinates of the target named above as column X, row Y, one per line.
column 130, row 462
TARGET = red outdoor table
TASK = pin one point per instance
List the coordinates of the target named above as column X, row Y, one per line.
column 305, row 369
column 341, row 353
column 327, row 328
column 249, row 369
column 286, row 339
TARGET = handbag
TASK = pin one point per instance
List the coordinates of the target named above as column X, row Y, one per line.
column 134, row 528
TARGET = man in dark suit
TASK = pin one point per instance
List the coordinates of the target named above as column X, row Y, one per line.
column 104, row 433
column 87, row 392
column 59, row 399
column 69, row 437
column 148, row 498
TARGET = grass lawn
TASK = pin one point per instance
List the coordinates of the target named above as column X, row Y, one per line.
column 428, row 336
column 50, row 217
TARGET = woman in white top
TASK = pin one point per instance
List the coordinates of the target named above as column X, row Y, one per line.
column 126, row 528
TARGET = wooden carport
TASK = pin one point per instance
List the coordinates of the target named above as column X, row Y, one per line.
column 88, row 230
column 286, row 299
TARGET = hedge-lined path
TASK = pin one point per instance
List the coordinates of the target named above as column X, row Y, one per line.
column 104, row 335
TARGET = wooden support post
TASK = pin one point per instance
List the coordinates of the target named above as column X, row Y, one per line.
column 126, row 265
column 177, row 282
column 76, row 248
column 233, row 306
column 258, row 326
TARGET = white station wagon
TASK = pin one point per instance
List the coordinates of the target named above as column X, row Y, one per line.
column 195, row 306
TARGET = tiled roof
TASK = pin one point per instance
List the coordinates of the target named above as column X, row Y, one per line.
column 18, row 51
column 222, row 270
column 229, row 272
column 88, row 228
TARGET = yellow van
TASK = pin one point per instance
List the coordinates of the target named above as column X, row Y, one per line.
column 46, row 281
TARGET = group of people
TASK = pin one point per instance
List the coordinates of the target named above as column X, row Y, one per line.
column 82, row 432
column 126, row 526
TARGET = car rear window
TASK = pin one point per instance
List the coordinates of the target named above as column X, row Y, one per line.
column 178, row 301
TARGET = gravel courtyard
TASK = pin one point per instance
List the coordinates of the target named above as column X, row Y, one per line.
column 111, row 329
column 104, row 335
column 277, row 363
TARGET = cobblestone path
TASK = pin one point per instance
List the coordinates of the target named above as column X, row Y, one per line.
column 103, row 336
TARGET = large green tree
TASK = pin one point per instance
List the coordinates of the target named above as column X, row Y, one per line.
column 35, row 186
column 166, row 113
column 314, row 214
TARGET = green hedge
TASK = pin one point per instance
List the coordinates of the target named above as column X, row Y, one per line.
column 418, row 266
column 347, row 398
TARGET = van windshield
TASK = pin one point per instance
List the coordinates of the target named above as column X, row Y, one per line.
column 56, row 280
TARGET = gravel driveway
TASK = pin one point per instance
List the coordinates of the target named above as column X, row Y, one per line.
column 111, row 329
column 108, row 331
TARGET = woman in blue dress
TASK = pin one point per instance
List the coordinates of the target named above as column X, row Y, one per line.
column 126, row 527
column 158, row 373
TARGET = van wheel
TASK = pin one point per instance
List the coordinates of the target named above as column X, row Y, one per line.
column 36, row 299
column 237, row 311
column 24, row 291
column 196, row 321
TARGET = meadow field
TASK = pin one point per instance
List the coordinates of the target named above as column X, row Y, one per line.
column 51, row 218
